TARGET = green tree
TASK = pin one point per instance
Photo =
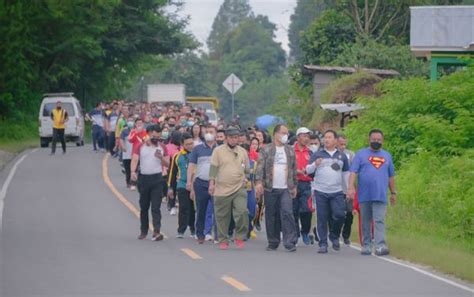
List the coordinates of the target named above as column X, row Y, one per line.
column 94, row 48
column 230, row 15
column 384, row 19
column 326, row 38
column 306, row 11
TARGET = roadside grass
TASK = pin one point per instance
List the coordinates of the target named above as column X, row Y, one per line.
column 16, row 137
column 427, row 248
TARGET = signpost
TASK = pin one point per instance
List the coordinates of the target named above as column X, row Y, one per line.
column 232, row 84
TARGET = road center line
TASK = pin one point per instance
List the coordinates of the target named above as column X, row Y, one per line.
column 235, row 283
column 120, row 196
column 6, row 184
column 192, row 254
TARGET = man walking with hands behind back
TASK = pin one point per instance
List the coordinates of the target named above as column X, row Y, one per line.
column 59, row 117
column 227, row 183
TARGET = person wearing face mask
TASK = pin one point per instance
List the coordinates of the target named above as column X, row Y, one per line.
column 198, row 180
column 374, row 170
column 314, row 143
column 331, row 174
column 152, row 156
column 172, row 147
column 220, row 137
column 59, row 117
column 301, row 209
column 228, row 176
column 177, row 183
column 126, row 148
column 276, row 180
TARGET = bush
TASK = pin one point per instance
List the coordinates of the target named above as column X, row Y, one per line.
column 372, row 54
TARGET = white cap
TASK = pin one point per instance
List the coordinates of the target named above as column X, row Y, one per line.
column 303, row 130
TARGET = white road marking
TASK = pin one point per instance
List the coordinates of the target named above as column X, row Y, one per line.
column 419, row 270
column 3, row 192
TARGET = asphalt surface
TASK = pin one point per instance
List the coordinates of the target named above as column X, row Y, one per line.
column 65, row 233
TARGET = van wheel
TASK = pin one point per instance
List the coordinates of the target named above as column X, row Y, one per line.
column 44, row 142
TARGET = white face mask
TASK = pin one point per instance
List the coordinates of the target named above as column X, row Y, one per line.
column 314, row 148
column 284, row 139
column 209, row 137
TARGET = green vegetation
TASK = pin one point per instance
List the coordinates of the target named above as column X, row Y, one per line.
column 429, row 129
column 94, row 49
column 16, row 137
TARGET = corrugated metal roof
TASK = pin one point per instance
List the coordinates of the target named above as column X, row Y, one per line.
column 381, row 72
column 442, row 28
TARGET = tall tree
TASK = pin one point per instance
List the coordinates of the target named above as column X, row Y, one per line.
column 230, row 15
column 306, row 11
column 326, row 38
column 380, row 19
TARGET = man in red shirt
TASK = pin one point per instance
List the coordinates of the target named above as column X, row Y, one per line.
column 301, row 210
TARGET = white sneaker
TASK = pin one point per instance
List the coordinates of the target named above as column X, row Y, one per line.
column 133, row 188
column 208, row 237
column 173, row 211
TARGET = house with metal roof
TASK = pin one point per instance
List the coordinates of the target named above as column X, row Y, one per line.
column 442, row 34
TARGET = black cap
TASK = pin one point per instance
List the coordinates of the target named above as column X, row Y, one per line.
column 232, row 131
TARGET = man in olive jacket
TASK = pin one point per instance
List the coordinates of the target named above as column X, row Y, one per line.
column 276, row 180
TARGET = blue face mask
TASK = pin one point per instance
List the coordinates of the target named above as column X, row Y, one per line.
column 190, row 123
column 130, row 124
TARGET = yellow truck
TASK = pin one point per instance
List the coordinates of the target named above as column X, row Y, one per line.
column 209, row 104
column 206, row 103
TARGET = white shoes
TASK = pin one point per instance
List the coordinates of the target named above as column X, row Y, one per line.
column 173, row 211
column 133, row 188
column 208, row 237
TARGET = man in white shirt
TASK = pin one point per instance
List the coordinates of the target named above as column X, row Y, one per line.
column 276, row 180
column 152, row 156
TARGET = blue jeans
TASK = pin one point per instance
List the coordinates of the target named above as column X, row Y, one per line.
column 97, row 137
column 373, row 210
column 203, row 199
column 210, row 220
column 330, row 206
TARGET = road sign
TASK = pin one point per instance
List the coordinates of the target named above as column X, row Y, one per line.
column 232, row 84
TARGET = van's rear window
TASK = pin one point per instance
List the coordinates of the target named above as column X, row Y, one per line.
column 50, row 106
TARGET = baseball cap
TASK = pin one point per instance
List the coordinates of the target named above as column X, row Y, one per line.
column 303, row 130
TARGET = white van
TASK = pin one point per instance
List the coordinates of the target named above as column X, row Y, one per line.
column 212, row 115
column 74, row 126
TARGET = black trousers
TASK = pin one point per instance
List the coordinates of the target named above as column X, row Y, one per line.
column 346, row 230
column 126, row 166
column 150, row 188
column 187, row 213
column 301, row 210
column 58, row 135
column 279, row 218
column 170, row 202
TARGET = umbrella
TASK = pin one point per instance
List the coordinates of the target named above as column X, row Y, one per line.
column 267, row 120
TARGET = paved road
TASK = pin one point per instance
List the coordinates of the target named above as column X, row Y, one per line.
column 66, row 234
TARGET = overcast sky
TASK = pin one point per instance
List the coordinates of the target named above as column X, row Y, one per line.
column 202, row 13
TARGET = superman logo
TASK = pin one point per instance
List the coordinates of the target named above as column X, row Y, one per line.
column 377, row 161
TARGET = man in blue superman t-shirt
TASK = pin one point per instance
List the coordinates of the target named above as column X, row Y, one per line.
column 374, row 170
